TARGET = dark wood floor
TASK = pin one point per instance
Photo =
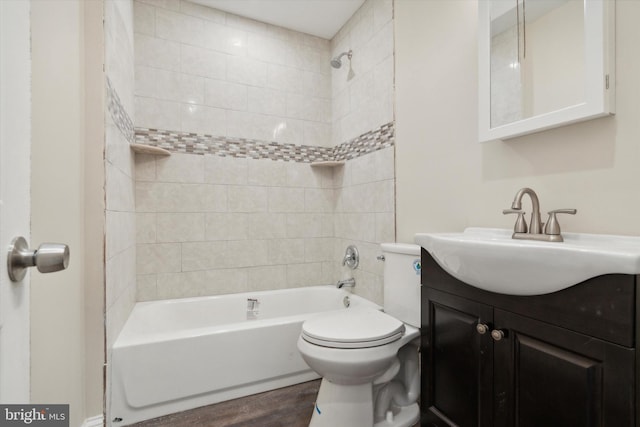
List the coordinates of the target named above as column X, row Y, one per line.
column 285, row 407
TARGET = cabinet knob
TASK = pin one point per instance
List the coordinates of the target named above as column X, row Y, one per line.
column 482, row 328
column 497, row 334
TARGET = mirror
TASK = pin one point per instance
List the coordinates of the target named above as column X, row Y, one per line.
column 543, row 64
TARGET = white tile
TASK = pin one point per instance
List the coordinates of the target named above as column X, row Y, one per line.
column 188, row 168
column 385, row 163
column 146, row 287
column 157, row 53
column 203, row 255
column 267, row 101
column 168, row 85
column 248, row 199
column 283, row 199
column 363, row 30
column 308, row 274
column 180, row 227
column 317, row 134
column 319, row 200
column 203, row 120
column 118, row 150
column 286, row 251
column 316, row 84
column 382, row 13
column 145, row 84
column 120, row 232
column 266, row 225
column 318, row 250
column 179, row 27
column 192, row 89
column 203, row 62
column 221, row 94
column 225, row 170
column 385, row 227
column 246, row 253
column 285, row 130
column 215, row 37
column 304, row 225
column 316, row 42
column 385, row 196
column 165, row 4
column 266, row 172
column 157, row 114
column 145, row 227
column 173, row 197
column 246, row 24
column 227, row 226
column 303, row 175
column 246, row 71
column 201, row 283
column 284, row 78
column 266, row 278
column 158, row 258
column 119, row 190
column 363, row 169
column 144, row 18
column 204, row 12
column 236, row 42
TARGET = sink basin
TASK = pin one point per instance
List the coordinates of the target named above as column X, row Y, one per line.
column 489, row 259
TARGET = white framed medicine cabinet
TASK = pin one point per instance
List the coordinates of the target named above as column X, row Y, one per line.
column 543, row 64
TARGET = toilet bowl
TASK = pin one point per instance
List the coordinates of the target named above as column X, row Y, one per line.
column 368, row 359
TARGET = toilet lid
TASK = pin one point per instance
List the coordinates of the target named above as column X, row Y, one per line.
column 352, row 328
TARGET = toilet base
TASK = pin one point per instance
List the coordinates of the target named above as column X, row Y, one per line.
column 352, row 405
column 343, row 405
column 407, row 417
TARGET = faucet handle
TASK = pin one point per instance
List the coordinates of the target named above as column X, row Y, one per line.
column 552, row 227
column 521, row 223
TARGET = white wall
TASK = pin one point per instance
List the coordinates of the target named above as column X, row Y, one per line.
column 447, row 181
column 62, row 325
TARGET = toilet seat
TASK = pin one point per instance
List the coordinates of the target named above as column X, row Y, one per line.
column 352, row 328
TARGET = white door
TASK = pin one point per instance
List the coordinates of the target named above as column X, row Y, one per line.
column 15, row 147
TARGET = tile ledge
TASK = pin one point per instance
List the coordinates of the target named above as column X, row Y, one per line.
column 149, row 149
column 327, row 164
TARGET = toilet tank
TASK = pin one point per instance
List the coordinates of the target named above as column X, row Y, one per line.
column 402, row 281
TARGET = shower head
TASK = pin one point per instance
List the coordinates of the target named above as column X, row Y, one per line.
column 337, row 62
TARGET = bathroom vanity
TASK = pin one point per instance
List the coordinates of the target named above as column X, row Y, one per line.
column 560, row 359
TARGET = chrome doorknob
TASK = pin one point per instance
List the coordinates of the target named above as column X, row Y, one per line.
column 482, row 329
column 497, row 334
column 49, row 257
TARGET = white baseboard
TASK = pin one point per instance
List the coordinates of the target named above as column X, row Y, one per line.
column 95, row 421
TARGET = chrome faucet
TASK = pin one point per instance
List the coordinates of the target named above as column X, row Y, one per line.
column 346, row 283
column 534, row 231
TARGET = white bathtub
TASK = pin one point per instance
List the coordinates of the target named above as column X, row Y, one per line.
column 174, row 355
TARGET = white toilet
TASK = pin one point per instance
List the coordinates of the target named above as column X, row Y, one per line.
column 368, row 359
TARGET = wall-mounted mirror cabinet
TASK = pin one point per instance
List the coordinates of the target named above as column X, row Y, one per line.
column 543, row 64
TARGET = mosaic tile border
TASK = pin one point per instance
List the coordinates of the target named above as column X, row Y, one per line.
column 119, row 114
column 185, row 142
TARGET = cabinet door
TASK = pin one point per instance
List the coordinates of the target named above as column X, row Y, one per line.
column 549, row 376
column 456, row 362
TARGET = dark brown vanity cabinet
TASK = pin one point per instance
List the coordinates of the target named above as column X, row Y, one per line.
column 559, row 360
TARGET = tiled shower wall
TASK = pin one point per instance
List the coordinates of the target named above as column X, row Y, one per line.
column 205, row 71
column 239, row 220
column 120, row 255
column 365, row 101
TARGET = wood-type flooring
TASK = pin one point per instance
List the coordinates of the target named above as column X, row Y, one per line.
column 285, row 407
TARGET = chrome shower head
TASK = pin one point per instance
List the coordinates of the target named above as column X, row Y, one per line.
column 337, row 62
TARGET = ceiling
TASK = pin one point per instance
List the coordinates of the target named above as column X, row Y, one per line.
column 322, row 18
